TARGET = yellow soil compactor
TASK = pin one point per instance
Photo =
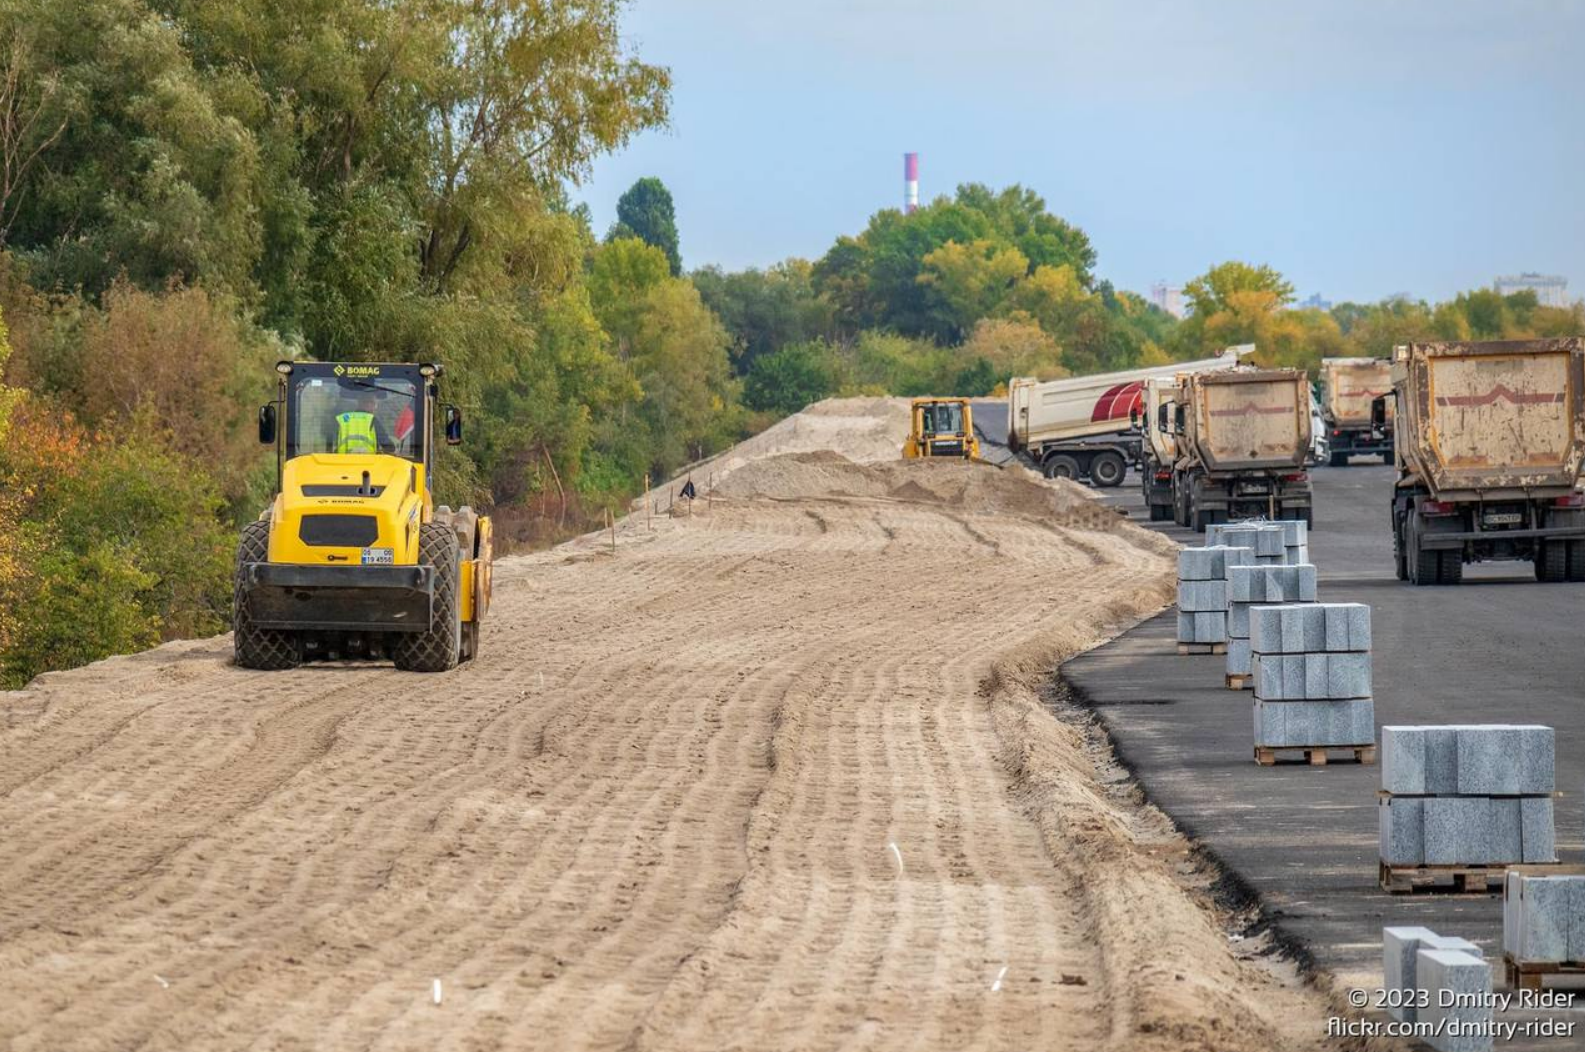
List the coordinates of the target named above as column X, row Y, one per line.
column 353, row 559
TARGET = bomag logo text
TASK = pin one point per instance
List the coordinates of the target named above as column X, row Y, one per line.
column 357, row 370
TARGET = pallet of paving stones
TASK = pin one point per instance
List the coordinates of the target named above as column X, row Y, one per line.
column 1532, row 975
column 1315, row 756
column 1476, row 880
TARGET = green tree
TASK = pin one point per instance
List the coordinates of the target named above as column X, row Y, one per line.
column 788, row 379
column 646, row 212
column 765, row 310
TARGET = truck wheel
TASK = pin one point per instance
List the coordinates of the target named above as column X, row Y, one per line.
column 1400, row 561
column 1338, row 460
column 1108, row 469
column 1450, row 567
column 1061, row 466
column 437, row 648
column 1551, row 561
column 1426, row 567
column 270, row 649
column 1576, row 560
column 1160, row 512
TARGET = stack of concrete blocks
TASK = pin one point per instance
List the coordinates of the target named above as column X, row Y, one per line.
column 1543, row 917
column 1416, row 960
column 1310, row 664
column 1473, row 795
column 1202, row 592
column 1295, row 543
column 1265, row 539
column 1249, row 586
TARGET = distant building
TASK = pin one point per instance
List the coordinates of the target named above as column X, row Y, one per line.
column 1315, row 302
column 1551, row 290
column 1169, row 298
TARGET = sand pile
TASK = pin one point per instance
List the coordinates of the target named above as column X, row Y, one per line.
column 971, row 489
column 861, row 429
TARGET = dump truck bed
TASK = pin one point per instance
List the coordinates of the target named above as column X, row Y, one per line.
column 1250, row 421
column 1350, row 385
column 1492, row 417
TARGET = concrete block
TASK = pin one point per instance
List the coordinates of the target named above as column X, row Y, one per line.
column 1315, row 723
column 1203, row 564
column 1347, row 626
column 1505, row 834
column 1537, row 759
column 1309, row 677
column 1202, row 627
column 1296, row 554
column 1237, row 654
column 1537, row 832
column 1456, row 830
column 1400, row 823
column 1202, row 595
column 1472, row 830
column 1265, row 541
column 1464, row 981
column 1398, row 949
column 1576, row 929
column 1269, row 725
column 1441, row 760
column 1294, row 531
column 1403, row 760
column 1271, row 584
column 1299, row 628
column 1488, row 760
column 1348, row 675
column 1237, row 620
column 1541, row 915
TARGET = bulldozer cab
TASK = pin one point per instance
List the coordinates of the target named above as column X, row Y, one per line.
column 941, row 427
column 356, row 409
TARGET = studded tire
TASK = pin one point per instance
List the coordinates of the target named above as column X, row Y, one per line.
column 438, row 648
column 1551, row 561
column 270, row 649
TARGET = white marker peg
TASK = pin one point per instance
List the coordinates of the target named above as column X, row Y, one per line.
column 997, row 985
column 436, row 991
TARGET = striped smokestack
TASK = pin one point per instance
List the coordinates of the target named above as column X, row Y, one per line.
column 910, row 183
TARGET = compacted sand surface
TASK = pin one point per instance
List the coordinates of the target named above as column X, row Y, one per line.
column 783, row 774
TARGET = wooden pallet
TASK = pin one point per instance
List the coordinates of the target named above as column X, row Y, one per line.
column 1202, row 648
column 1477, row 880
column 1531, row 975
column 1314, row 755
column 1239, row 681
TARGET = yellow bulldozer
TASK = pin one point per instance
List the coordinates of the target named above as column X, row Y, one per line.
column 941, row 427
column 353, row 559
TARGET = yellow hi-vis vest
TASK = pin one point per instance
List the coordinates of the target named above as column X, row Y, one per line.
column 355, row 433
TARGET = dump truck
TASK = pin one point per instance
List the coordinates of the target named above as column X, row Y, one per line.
column 1084, row 427
column 1349, row 387
column 1490, row 444
column 941, row 427
column 1243, row 437
column 1160, row 450
column 353, row 559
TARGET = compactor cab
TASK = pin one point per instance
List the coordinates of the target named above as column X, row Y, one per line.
column 941, row 427
column 353, row 558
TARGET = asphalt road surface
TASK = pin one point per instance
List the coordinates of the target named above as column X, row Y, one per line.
column 1501, row 648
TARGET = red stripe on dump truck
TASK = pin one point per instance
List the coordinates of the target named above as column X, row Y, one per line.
column 1501, row 391
column 1118, row 402
column 1250, row 407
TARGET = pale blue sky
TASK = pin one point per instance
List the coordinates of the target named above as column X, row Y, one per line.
column 1363, row 147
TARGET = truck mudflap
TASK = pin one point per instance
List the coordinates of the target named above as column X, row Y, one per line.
column 338, row 598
